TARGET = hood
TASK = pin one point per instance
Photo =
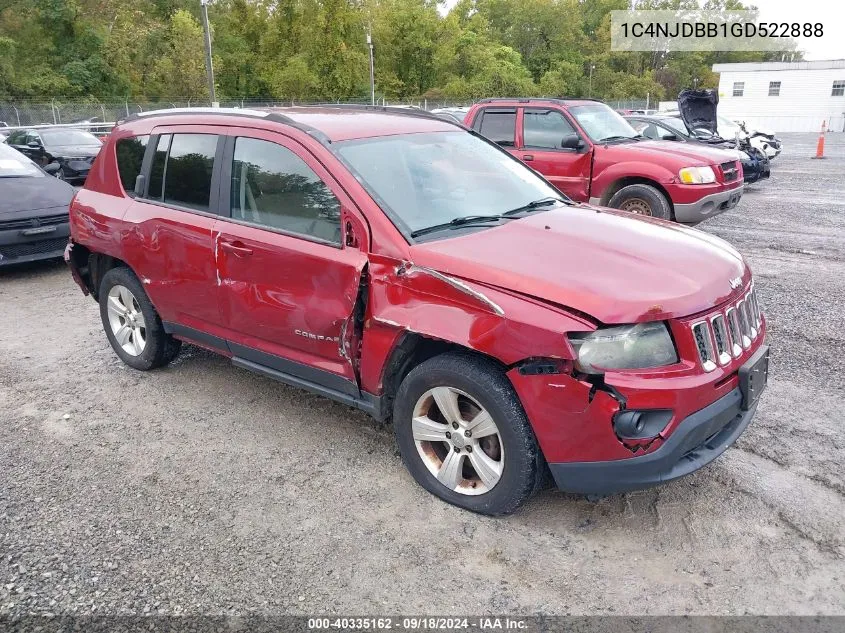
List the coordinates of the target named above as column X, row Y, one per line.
column 698, row 109
column 685, row 154
column 74, row 150
column 614, row 266
column 22, row 197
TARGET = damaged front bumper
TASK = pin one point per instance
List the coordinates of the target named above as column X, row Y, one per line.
column 696, row 441
column 708, row 206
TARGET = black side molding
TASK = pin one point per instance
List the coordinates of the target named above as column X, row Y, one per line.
column 198, row 336
column 366, row 402
column 291, row 373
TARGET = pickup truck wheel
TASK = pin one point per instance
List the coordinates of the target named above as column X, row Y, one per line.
column 464, row 436
column 132, row 324
column 642, row 200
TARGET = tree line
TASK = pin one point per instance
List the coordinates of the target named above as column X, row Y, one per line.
column 316, row 50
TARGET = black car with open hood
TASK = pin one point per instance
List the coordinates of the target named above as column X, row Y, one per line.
column 698, row 110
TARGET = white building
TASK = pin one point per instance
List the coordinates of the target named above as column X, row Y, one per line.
column 784, row 96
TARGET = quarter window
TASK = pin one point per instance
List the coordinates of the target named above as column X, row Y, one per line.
column 499, row 126
column 273, row 187
column 739, row 88
column 838, row 88
column 130, row 155
column 545, row 129
column 774, row 88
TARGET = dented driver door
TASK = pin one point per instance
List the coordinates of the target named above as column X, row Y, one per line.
column 288, row 281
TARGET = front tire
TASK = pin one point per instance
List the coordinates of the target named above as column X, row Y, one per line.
column 643, row 200
column 464, row 436
column 132, row 324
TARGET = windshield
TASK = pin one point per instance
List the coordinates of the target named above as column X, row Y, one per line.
column 13, row 164
column 601, row 122
column 675, row 124
column 429, row 179
column 68, row 137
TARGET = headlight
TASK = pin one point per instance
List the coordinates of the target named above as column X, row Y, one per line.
column 624, row 347
column 697, row 175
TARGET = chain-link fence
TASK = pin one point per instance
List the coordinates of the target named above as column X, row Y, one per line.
column 22, row 112
column 19, row 113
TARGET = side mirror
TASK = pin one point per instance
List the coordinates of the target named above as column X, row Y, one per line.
column 572, row 141
column 52, row 168
column 140, row 184
column 670, row 137
column 34, row 144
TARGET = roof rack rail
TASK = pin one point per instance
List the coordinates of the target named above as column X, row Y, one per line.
column 537, row 99
column 268, row 114
column 408, row 111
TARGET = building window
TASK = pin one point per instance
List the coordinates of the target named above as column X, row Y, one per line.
column 774, row 88
column 739, row 88
column 838, row 88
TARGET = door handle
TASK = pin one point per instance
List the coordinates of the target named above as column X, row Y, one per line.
column 528, row 157
column 237, row 248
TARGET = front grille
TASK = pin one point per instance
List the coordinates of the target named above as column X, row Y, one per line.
column 729, row 171
column 30, row 223
column 705, row 345
column 13, row 251
column 732, row 318
column 723, row 344
column 728, row 331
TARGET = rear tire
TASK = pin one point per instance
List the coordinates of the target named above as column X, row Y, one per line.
column 491, row 464
column 132, row 324
column 642, row 200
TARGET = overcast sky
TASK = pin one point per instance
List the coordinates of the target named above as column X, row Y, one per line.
column 831, row 13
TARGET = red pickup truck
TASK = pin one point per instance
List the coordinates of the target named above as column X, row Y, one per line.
column 589, row 152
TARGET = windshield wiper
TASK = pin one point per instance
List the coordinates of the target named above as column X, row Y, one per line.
column 616, row 137
column 536, row 204
column 461, row 221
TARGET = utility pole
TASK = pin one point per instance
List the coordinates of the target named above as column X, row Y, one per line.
column 372, row 68
column 209, row 70
column 590, row 93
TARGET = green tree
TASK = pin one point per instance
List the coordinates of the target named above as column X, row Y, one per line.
column 180, row 71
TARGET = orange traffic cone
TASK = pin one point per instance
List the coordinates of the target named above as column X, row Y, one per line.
column 820, row 146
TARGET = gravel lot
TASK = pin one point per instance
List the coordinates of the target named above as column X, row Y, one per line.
column 203, row 488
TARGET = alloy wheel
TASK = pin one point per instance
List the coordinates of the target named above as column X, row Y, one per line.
column 458, row 441
column 126, row 320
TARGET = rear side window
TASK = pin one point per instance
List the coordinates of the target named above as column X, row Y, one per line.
column 187, row 175
column 130, row 155
column 181, row 170
column 499, row 126
column 274, row 187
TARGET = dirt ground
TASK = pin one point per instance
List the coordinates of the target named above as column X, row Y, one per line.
column 203, row 488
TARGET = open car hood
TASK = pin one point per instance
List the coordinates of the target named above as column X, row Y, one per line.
column 698, row 109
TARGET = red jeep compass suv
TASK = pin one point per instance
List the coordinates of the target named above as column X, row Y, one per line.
column 398, row 263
